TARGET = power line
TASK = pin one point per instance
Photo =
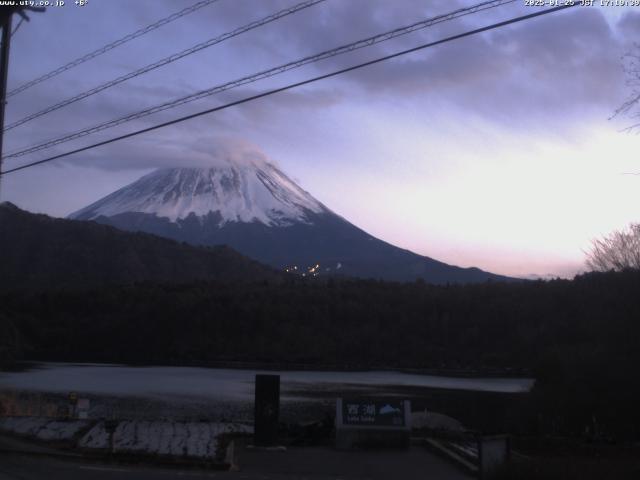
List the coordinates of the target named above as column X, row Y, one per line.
column 17, row 27
column 297, row 84
column 382, row 37
column 111, row 46
column 167, row 60
column 265, row 74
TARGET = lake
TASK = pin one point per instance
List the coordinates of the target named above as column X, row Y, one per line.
column 231, row 384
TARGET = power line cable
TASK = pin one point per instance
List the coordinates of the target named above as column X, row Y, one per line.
column 167, row 60
column 111, row 46
column 17, row 27
column 295, row 85
column 382, row 37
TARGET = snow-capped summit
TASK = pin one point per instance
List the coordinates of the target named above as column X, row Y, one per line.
column 237, row 192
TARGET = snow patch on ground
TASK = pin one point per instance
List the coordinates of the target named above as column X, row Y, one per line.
column 97, row 437
column 183, row 439
column 435, row 421
column 43, row 428
column 178, row 439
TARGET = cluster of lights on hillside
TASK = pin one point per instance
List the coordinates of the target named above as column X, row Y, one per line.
column 312, row 271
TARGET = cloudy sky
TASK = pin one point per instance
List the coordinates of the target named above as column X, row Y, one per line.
column 494, row 151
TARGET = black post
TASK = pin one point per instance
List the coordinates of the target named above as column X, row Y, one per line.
column 4, row 70
column 267, row 409
column 110, row 426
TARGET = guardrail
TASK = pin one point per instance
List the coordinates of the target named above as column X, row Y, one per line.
column 485, row 456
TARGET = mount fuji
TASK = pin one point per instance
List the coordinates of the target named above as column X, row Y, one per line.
column 256, row 209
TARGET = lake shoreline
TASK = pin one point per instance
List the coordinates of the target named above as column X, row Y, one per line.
column 26, row 365
column 192, row 393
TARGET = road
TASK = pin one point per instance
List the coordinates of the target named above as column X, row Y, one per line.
column 307, row 463
column 29, row 467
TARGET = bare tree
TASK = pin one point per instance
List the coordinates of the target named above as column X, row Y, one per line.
column 631, row 106
column 618, row 251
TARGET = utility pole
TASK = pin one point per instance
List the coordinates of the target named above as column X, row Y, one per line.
column 4, row 70
column 6, row 15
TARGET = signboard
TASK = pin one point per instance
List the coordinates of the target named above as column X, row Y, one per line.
column 374, row 413
column 375, row 423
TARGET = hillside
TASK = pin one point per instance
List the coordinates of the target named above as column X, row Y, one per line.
column 40, row 252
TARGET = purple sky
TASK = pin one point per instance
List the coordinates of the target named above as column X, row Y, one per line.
column 494, row 151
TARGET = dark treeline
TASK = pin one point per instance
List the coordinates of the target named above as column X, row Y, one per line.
column 580, row 338
column 45, row 253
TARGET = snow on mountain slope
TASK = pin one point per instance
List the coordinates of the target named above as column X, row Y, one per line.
column 239, row 192
column 254, row 208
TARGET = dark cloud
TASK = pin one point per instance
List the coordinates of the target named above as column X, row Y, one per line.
column 629, row 25
column 564, row 66
column 567, row 63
